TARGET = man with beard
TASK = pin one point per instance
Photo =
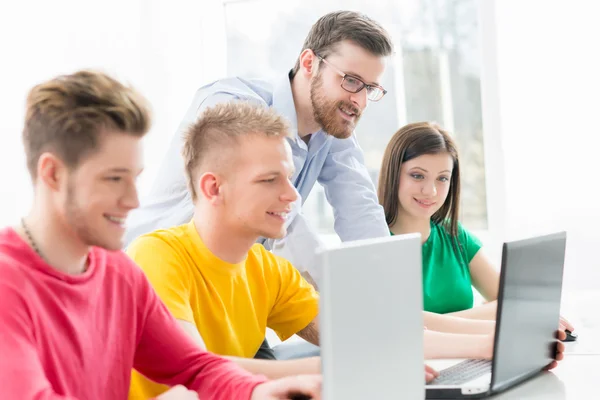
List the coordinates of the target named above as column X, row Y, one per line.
column 323, row 97
column 77, row 313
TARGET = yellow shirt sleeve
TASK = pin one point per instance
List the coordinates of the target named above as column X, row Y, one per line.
column 295, row 303
column 167, row 274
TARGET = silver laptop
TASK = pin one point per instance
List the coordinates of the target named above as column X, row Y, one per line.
column 526, row 322
column 371, row 319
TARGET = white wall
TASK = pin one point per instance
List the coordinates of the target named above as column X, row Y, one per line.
column 40, row 40
column 549, row 81
column 149, row 43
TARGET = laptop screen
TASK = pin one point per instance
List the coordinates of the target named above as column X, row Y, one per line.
column 371, row 319
column 528, row 307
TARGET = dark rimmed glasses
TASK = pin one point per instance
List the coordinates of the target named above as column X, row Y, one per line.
column 353, row 84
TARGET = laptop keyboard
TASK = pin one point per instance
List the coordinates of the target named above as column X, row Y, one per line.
column 463, row 372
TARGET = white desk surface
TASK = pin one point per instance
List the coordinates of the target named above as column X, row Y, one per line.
column 576, row 378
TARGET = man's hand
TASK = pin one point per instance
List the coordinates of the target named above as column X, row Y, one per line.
column 430, row 373
column 178, row 393
column 560, row 348
column 564, row 324
column 303, row 386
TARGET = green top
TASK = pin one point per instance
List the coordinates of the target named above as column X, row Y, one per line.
column 446, row 275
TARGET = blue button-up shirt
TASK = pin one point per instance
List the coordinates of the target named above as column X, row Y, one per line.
column 337, row 164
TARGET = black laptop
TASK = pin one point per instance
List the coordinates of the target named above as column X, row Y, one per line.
column 526, row 322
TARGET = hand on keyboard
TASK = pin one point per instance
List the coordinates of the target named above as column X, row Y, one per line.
column 430, row 374
column 463, row 372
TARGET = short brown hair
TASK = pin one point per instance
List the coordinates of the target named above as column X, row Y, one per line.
column 412, row 141
column 67, row 114
column 221, row 126
column 335, row 27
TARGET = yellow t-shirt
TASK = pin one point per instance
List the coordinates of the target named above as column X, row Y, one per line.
column 230, row 304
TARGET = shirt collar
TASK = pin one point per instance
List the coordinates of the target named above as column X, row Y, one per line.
column 206, row 258
column 283, row 102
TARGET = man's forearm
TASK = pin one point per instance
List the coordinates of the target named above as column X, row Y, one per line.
column 311, row 332
column 309, row 279
column 272, row 369
column 275, row 369
column 453, row 324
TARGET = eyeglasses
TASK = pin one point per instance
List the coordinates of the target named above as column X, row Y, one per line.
column 353, row 84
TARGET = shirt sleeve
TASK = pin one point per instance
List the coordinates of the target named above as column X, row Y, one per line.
column 21, row 372
column 295, row 302
column 166, row 273
column 470, row 242
column 168, row 355
column 351, row 193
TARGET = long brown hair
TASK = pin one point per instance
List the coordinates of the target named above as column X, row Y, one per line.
column 412, row 141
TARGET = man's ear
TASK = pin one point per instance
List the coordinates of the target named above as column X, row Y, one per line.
column 51, row 171
column 308, row 63
column 209, row 187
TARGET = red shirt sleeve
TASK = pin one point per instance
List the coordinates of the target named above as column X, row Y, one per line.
column 166, row 354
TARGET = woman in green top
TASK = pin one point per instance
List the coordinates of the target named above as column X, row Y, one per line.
column 419, row 189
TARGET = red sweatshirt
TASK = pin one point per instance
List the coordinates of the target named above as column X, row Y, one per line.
column 78, row 336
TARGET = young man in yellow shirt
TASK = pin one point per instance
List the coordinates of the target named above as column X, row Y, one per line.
column 222, row 287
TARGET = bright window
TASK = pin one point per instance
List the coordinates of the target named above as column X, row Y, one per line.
column 434, row 76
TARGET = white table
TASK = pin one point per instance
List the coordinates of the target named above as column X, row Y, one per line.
column 581, row 308
column 576, row 378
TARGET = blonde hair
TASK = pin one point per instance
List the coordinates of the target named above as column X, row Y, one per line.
column 67, row 114
column 221, row 126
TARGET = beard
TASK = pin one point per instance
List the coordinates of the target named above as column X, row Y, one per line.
column 325, row 111
column 79, row 222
